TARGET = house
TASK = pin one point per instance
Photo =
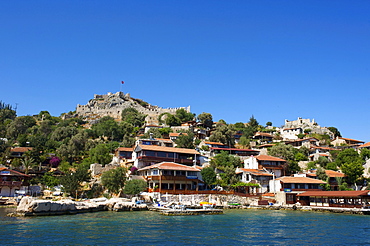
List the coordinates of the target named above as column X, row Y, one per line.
column 333, row 178
column 171, row 177
column 147, row 155
column 291, row 133
column 155, row 141
column 339, row 141
column 317, row 151
column 123, row 156
column 364, row 146
column 213, row 144
column 175, row 135
column 268, row 163
column 287, row 188
column 148, row 127
column 344, row 199
column 263, row 137
column 12, row 181
column 258, row 176
column 233, row 151
column 18, row 152
column 307, row 142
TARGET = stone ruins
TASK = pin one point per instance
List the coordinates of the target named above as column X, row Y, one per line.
column 113, row 104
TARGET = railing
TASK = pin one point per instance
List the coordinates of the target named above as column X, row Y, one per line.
column 10, row 183
column 205, row 192
column 300, row 189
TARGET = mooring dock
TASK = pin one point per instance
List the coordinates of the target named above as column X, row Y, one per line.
column 177, row 212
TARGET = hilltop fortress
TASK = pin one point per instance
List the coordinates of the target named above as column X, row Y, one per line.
column 113, row 104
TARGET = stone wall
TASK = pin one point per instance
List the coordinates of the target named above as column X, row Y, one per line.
column 113, row 104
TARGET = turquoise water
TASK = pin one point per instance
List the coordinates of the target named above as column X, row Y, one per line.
column 235, row 227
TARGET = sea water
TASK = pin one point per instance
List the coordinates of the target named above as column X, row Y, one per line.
column 234, row 227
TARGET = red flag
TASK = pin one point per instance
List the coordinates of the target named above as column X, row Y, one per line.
column 122, row 82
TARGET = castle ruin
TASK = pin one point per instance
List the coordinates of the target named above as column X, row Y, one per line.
column 113, row 104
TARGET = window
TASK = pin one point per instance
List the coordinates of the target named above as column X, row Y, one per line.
column 168, row 172
column 155, row 172
column 191, row 173
column 180, row 173
column 161, row 154
column 149, row 153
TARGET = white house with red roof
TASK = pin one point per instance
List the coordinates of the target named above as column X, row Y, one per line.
column 147, row 155
column 12, row 181
column 288, row 187
column 171, row 177
column 339, row 141
column 268, row 163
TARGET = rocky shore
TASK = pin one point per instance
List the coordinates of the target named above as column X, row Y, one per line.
column 29, row 206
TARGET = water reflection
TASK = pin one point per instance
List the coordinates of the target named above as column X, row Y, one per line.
column 235, row 227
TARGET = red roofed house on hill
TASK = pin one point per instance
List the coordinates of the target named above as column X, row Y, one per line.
column 172, row 178
column 261, row 169
column 147, row 155
column 288, row 187
column 344, row 199
column 11, row 181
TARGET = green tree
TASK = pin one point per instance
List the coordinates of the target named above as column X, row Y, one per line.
column 206, row 119
column 244, row 142
column 286, row 152
column 50, row 180
column 134, row 117
column 135, row 186
column 172, row 120
column 335, row 131
column 223, row 134
column 20, row 125
column 184, row 116
column 185, row 140
column 28, row 163
column 321, row 174
column 72, row 181
column 100, row 154
column 223, row 160
column 114, row 180
column 208, row 176
column 346, row 156
column 353, row 170
column 107, row 127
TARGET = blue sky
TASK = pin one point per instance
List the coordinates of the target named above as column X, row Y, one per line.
column 274, row 60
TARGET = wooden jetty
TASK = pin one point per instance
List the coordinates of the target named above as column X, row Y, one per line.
column 177, row 212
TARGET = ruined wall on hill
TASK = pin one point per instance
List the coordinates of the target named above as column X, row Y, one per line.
column 113, row 104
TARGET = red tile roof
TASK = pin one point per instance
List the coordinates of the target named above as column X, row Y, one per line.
column 21, row 149
column 268, row 158
column 350, row 193
column 365, row 145
column 125, row 149
column 170, row 166
column 214, row 143
column 300, row 180
column 352, row 140
column 228, row 149
column 13, row 172
column 331, row 173
column 257, row 172
column 168, row 149
column 263, row 134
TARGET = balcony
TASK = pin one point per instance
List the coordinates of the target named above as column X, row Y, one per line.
column 11, row 183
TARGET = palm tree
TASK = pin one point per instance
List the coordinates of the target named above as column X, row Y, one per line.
column 28, row 162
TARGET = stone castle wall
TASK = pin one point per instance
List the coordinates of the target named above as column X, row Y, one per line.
column 113, row 104
column 308, row 124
